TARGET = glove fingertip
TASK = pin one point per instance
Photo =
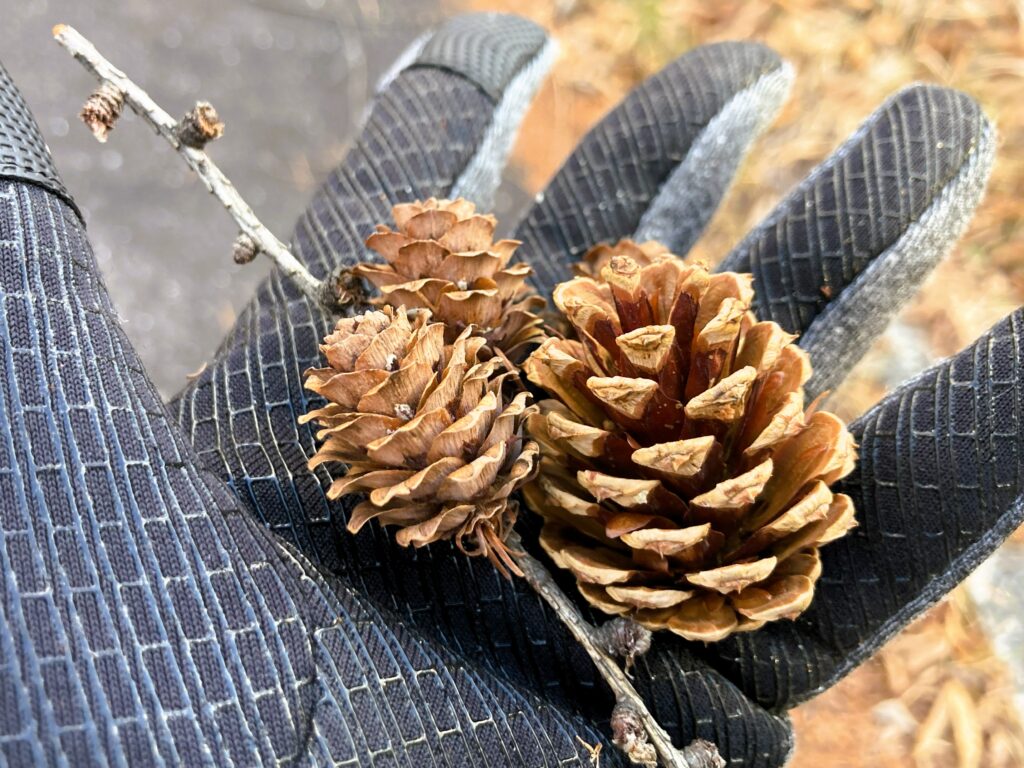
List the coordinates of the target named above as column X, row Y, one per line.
column 955, row 119
column 741, row 61
column 488, row 48
column 951, row 166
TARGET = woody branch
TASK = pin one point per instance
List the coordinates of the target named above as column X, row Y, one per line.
column 187, row 138
column 636, row 732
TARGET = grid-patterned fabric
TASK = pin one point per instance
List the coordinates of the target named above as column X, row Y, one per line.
column 23, row 154
column 145, row 618
column 857, row 204
column 491, row 48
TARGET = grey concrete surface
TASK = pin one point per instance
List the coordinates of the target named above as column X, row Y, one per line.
column 290, row 79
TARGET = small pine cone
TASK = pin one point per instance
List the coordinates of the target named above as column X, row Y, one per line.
column 443, row 257
column 424, row 429
column 682, row 481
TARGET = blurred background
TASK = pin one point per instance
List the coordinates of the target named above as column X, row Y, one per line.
column 291, row 77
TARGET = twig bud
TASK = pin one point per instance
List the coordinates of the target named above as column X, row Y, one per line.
column 701, row 753
column 344, row 288
column 102, row 109
column 629, row 735
column 199, row 126
column 244, row 249
column 624, row 639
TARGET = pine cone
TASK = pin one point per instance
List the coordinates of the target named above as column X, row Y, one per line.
column 682, row 481
column 443, row 257
column 425, row 431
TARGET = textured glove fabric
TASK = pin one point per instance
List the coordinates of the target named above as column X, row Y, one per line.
column 241, row 414
column 146, row 618
column 608, row 184
column 937, row 489
column 838, row 257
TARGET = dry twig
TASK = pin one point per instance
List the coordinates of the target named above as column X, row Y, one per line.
column 113, row 82
column 646, row 741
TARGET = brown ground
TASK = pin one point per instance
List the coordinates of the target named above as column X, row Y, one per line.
column 935, row 696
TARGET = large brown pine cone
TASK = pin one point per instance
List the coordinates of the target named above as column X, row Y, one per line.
column 443, row 257
column 682, row 481
column 425, row 430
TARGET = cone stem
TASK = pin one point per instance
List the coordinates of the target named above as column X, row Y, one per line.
column 699, row 754
column 113, row 79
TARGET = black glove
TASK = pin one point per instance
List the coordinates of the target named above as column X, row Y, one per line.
column 442, row 127
column 873, row 219
column 834, row 262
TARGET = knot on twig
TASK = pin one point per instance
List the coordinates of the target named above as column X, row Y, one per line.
column 344, row 289
column 102, row 109
column 244, row 249
column 630, row 735
column 624, row 639
column 199, row 126
column 701, row 753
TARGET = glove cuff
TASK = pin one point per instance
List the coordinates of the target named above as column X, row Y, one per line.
column 24, row 155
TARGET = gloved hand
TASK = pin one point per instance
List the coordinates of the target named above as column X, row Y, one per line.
column 833, row 262
column 148, row 615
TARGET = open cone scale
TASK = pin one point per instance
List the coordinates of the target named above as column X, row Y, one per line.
column 442, row 256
